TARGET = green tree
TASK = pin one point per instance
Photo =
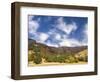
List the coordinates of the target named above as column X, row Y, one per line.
column 37, row 55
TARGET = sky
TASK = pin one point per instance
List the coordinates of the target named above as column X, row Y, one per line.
column 58, row 31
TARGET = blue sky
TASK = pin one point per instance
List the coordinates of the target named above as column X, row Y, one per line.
column 58, row 30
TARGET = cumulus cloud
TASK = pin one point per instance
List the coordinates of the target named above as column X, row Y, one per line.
column 42, row 37
column 58, row 36
column 33, row 25
column 32, row 30
column 86, row 30
column 63, row 26
column 54, row 37
column 62, row 39
column 70, row 42
column 65, row 42
column 85, row 35
column 51, row 44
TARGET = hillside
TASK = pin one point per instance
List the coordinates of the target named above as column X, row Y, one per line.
column 54, row 50
column 82, row 55
column 40, row 53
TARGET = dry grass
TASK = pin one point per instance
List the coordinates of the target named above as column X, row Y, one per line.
column 31, row 64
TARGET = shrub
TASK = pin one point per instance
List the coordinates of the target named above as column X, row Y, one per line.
column 71, row 59
column 55, row 58
column 30, row 57
column 37, row 59
column 61, row 58
column 50, row 58
column 83, row 58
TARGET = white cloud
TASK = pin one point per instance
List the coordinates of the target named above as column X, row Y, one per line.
column 63, row 26
column 65, row 43
column 70, row 42
column 32, row 29
column 33, row 25
column 42, row 37
column 86, row 30
column 57, row 36
column 74, row 42
column 52, row 31
column 63, row 39
column 85, row 35
column 51, row 44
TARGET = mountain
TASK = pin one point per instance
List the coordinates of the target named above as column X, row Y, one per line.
column 55, row 50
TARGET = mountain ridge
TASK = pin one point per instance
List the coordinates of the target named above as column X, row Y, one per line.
column 54, row 50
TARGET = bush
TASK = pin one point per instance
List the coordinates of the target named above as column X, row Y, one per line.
column 83, row 58
column 71, row 59
column 61, row 58
column 30, row 57
column 55, row 58
column 37, row 59
column 50, row 58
